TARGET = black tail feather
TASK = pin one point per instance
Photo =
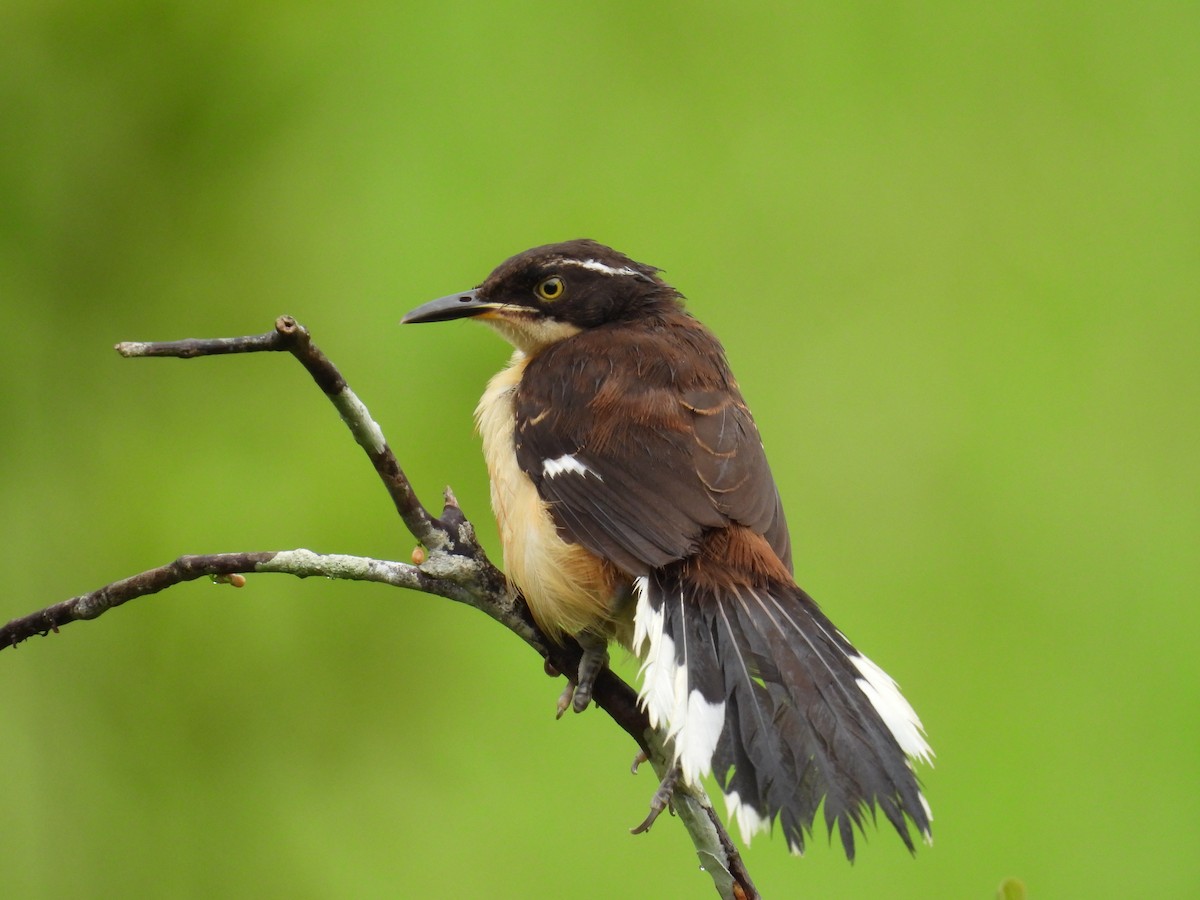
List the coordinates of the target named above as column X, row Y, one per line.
column 800, row 725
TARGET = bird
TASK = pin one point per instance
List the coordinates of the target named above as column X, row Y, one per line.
column 635, row 505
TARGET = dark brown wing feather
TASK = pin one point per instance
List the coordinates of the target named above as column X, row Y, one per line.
column 670, row 447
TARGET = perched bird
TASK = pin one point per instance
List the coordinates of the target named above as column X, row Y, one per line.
column 635, row 503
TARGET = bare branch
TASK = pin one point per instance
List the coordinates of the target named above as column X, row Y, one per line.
column 205, row 347
column 292, row 337
column 456, row 568
column 98, row 602
column 451, row 580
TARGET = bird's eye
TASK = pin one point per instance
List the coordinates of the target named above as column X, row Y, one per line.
column 551, row 288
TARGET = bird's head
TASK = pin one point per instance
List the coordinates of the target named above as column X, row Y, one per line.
column 549, row 293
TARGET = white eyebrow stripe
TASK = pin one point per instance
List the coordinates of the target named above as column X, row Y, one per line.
column 595, row 265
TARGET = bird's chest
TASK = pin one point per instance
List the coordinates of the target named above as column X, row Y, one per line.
column 568, row 588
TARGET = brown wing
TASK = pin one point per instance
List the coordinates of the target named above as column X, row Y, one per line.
column 640, row 441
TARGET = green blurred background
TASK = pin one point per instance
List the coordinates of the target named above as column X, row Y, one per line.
column 952, row 249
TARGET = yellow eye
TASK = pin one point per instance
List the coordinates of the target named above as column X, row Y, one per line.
column 551, row 289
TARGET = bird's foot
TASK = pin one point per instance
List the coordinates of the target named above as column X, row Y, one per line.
column 578, row 692
column 661, row 799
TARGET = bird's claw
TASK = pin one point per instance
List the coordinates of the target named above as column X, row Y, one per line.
column 565, row 699
column 638, row 759
column 661, row 799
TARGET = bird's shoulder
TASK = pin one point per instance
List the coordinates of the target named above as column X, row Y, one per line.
column 642, row 373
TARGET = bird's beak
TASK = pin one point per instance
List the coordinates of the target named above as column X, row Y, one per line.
column 455, row 306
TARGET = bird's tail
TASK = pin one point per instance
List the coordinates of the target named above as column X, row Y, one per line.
column 755, row 684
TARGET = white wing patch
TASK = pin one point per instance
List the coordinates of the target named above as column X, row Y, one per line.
column 566, row 463
column 900, row 718
column 693, row 722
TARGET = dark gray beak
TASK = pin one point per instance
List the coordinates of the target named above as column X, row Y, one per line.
column 455, row 306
